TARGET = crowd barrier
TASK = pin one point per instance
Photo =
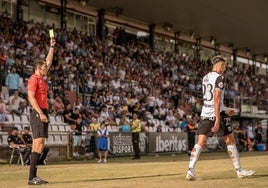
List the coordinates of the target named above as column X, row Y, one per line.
column 120, row 144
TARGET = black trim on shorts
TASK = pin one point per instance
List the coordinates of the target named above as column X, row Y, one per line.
column 39, row 128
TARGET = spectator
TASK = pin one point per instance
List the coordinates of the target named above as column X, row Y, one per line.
column 23, row 91
column 124, row 124
column 136, row 129
column 94, row 126
column 12, row 81
column 78, row 103
column 58, row 106
column 15, row 141
column 259, row 133
column 77, row 137
column 183, row 124
column 250, row 136
column 159, row 129
column 102, row 135
column 3, row 111
column 67, row 115
column 104, row 115
column 86, row 115
column 16, row 104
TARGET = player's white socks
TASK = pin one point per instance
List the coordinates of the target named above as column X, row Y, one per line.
column 194, row 156
column 233, row 154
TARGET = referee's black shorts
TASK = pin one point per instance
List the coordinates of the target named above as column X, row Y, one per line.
column 39, row 128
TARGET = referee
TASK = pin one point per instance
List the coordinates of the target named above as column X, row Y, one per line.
column 37, row 96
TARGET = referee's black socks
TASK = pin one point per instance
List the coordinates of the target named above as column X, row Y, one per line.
column 33, row 165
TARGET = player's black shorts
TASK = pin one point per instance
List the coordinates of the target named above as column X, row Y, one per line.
column 205, row 126
column 39, row 128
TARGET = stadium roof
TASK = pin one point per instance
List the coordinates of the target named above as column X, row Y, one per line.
column 242, row 22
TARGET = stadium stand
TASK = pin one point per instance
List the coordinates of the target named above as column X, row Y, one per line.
column 105, row 73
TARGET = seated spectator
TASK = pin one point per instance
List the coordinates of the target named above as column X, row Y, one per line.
column 86, row 104
column 75, row 114
column 3, row 111
column 15, row 141
column 171, row 120
column 4, row 96
column 104, row 115
column 159, row 129
column 28, row 140
column 65, row 100
column 78, row 103
column 124, row 125
column 23, row 91
column 58, row 106
column 111, row 118
column 67, row 115
column 86, row 115
column 183, row 124
column 16, row 104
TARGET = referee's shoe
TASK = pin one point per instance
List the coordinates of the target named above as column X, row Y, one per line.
column 37, row 181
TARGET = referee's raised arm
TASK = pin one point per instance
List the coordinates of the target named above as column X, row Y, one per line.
column 50, row 54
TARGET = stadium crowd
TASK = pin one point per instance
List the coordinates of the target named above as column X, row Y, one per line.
column 115, row 80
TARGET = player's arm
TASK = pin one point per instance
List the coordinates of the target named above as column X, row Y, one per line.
column 217, row 103
column 50, row 54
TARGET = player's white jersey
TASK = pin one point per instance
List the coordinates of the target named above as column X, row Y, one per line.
column 211, row 82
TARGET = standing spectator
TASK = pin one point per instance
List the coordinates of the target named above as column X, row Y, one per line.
column 12, row 81
column 191, row 131
column 94, row 126
column 250, row 136
column 259, row 133
column 102, row 135
column 37, row 96
column 77, row 137
column 136, row 129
